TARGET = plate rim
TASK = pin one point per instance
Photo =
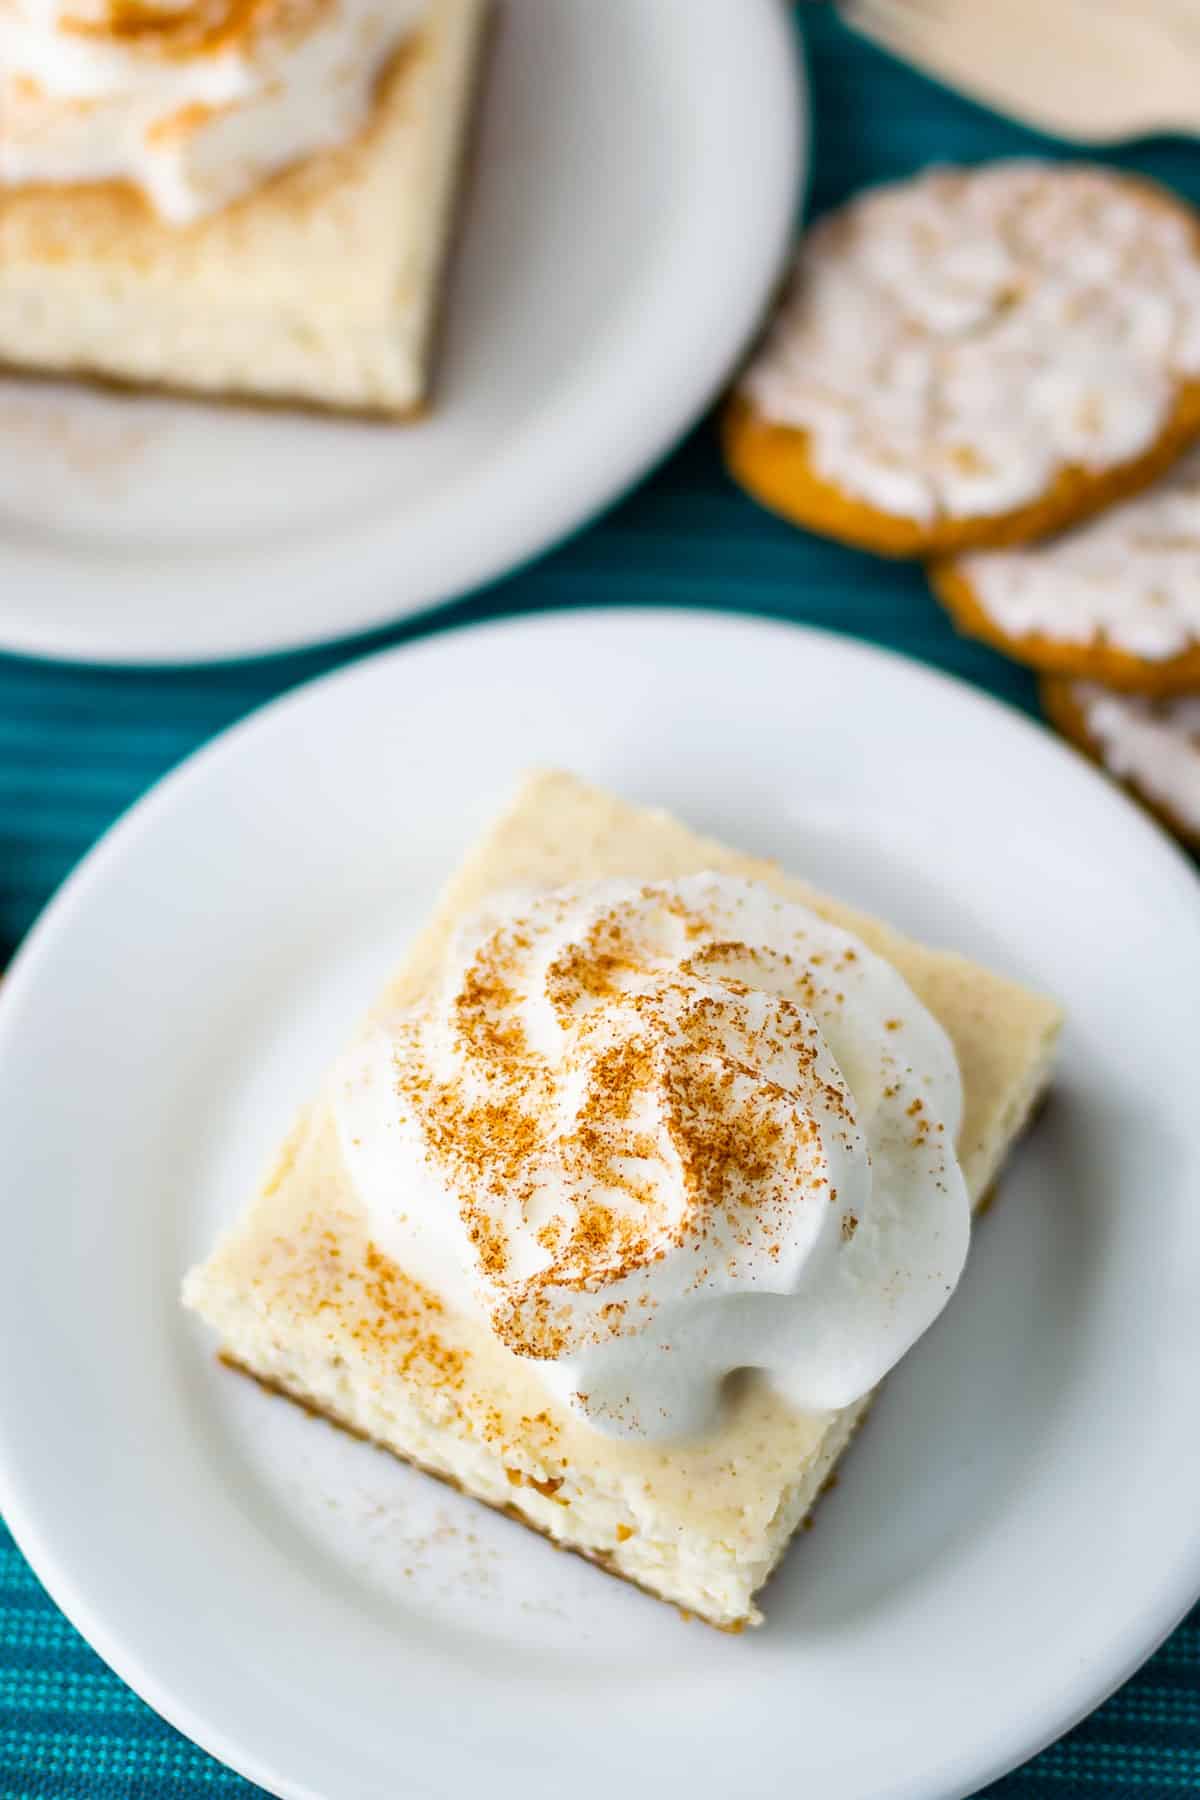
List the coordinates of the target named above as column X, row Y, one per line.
column 540, row 531
column 67, row 1589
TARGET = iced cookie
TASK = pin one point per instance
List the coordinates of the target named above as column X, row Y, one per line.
column 1116, row 600
column 1153, row 746
column 975, row 356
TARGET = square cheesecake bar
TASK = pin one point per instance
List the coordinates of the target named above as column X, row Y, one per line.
column 319, row 287
column 302, row 1299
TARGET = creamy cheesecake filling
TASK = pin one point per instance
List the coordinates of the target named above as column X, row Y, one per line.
column 195, row 104
column 651, row 1134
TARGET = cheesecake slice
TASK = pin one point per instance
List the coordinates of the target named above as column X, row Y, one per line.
column 319, row 287
column 302, row 1298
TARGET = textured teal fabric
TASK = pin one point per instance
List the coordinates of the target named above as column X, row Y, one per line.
column 79, row 745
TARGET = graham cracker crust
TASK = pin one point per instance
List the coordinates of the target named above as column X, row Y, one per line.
column 227, row 399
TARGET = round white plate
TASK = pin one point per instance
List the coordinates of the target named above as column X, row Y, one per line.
column 630, row 199
column 1017, row 1527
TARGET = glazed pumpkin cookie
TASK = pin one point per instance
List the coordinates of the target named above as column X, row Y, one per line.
column 976, row 356
column 1153, row 746
column 1116, row 600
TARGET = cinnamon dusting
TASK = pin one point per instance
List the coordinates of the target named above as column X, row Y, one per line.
column 203, row 28
column 676, row 1131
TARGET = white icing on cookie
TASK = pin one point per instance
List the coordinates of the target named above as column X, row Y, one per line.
column 1154, row 745
column 951, row 342
column 1129, row 578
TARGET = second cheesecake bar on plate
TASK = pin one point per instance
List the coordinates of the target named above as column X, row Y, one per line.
column 285, row 245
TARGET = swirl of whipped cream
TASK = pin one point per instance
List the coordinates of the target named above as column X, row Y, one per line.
column 194, row 103
column 652, row 1134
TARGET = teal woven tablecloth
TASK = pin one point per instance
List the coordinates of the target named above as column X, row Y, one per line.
column 77, row 746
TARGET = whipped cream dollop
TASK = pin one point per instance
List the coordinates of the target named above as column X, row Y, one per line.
column 655, row 1133
column 951, row 343
column 194, row 103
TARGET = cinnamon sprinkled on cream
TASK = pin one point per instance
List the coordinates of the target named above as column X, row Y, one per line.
column 630, row 1105
column 196, row 104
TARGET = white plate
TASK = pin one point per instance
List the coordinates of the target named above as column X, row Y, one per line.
column 1017, row 1527
column 632, row 195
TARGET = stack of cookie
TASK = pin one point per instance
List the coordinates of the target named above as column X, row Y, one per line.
column 998, row 370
